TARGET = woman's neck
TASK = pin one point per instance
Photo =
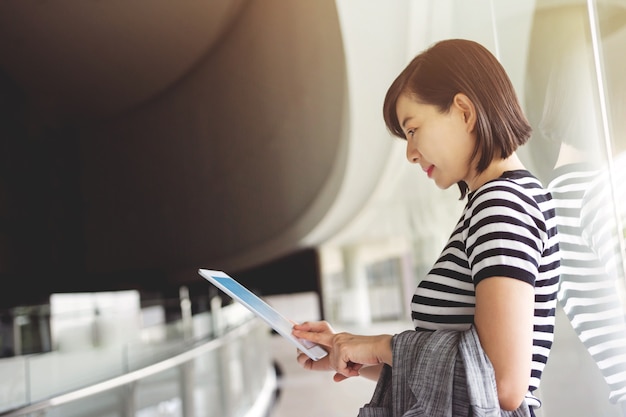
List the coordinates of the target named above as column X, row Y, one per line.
column 495, row 170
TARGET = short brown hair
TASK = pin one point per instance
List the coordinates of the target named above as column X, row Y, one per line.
column 455, row 66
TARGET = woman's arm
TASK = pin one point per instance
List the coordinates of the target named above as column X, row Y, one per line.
column 371, row 372
column 504, row 321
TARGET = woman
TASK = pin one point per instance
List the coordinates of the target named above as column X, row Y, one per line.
column 457, row 110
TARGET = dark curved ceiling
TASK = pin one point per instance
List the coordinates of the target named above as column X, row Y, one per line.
column 198, row 133
column 229, row 157
column 78, row 59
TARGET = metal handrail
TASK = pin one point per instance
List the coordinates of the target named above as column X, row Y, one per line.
column 133, row 376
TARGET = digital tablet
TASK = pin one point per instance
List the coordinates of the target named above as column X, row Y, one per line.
column 252, row 302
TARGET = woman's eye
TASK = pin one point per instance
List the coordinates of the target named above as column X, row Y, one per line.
column 410, row 132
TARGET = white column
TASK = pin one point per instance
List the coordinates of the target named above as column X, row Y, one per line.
column 356, row 300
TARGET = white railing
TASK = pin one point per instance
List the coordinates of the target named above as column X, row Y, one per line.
column 226, row 372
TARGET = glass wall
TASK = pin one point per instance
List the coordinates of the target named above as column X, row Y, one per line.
column 574, row 93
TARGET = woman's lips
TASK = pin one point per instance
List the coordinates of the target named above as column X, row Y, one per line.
column 429, row 170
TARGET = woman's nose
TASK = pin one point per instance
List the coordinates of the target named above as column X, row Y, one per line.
column 412, row 154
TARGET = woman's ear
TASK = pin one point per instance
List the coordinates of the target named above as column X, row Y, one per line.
column 465, row 106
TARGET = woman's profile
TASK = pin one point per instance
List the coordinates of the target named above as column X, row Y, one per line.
column 485, row 311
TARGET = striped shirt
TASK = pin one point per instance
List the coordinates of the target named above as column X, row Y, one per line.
column 507, row 229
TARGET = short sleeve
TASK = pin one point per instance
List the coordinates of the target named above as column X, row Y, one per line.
column 504, row 234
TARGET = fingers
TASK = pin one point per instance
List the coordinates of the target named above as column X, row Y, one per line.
column 303, row 359
column 305, row 362
column 347, row 368
column 314, row 326
column 318, row 332
column 321, row 332
column 323, row 339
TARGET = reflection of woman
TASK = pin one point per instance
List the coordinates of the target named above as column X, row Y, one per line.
column 603, row 214
column 588, row 290
column 498, row 275
column 602, row 219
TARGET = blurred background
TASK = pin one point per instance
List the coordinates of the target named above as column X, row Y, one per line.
column 144, row 140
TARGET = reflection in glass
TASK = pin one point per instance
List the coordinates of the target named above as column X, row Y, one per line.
column 571, row 126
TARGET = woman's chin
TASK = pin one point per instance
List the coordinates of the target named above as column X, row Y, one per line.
column 443, row 185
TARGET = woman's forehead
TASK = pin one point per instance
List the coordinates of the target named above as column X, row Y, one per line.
column 408, row 106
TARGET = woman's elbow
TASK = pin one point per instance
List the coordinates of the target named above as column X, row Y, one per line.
column 510, row 395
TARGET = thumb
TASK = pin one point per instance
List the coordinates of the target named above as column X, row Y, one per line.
column 338, row 377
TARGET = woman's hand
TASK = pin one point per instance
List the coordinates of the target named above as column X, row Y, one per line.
column 319, row 327
column 347, row 353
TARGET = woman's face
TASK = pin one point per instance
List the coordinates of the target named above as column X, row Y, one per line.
column 441, row 143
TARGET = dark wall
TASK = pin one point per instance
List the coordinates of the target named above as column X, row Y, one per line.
column 42, row 236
